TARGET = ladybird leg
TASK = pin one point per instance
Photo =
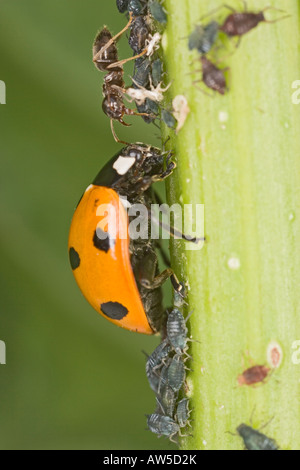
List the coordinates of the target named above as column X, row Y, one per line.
column 149, row 280
column 146, row 272
column 162, row 176
column 157, row 281
column 178, row 286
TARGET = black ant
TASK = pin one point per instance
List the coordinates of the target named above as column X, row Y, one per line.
column 105, row 57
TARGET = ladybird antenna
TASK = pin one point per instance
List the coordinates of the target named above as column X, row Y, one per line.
column 176, row 233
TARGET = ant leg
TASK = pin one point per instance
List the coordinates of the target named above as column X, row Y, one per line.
column 120, row 63
column 114, row 133
column 131, row 112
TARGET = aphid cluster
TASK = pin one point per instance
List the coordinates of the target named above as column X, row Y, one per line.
column 166, row 370
column 204, row 38
column 146, row 89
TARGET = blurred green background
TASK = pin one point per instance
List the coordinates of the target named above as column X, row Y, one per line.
column 72, row 380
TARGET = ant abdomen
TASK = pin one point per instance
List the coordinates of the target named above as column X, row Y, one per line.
column 109, row 55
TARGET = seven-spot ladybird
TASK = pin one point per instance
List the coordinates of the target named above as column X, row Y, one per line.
column 118, row 275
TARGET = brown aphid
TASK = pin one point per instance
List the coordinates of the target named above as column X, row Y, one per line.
column 212, row 76
column 240, row 23
column 253, row 375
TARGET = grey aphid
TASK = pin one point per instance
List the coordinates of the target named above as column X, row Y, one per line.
column 176, row 373
column 157, row 11
column 162, row 425
column 177, row 330
column 203, row 37
column 183, row 413
column 166, row 400
column 255, row 440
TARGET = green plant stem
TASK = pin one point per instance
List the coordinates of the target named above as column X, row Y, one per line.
column 239, row 155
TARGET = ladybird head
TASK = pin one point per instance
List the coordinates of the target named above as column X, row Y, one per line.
column 131, row 170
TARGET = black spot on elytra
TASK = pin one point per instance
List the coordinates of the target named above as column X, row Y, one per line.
column 102, row 240
column 74, row 258
column 114, row 310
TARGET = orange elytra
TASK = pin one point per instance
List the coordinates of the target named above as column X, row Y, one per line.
column 118, row 276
